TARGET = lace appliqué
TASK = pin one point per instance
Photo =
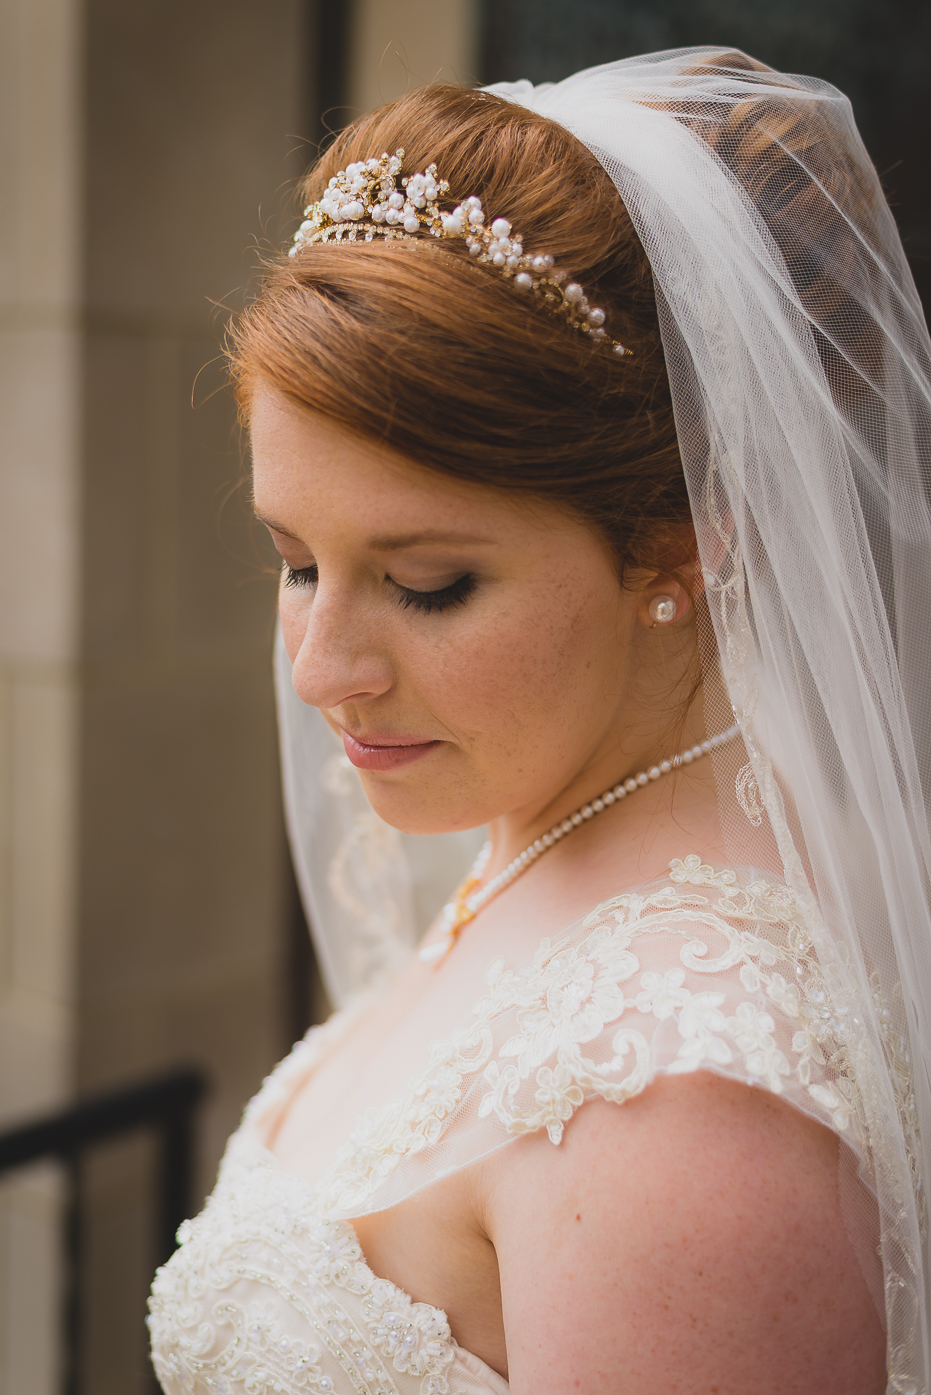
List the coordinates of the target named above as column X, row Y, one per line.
column 264, row 1296
column 603, row 1015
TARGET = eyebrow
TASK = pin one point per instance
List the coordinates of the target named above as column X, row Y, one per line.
column 275, row 527
column 394, row 544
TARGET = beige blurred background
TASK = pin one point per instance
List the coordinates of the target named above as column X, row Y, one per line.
column 147, row 909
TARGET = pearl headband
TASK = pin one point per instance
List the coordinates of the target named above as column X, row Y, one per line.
column 369, row 199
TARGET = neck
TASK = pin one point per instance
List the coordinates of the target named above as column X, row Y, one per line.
column 687, row 795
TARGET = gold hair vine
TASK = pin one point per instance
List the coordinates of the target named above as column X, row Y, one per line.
column 370, row 199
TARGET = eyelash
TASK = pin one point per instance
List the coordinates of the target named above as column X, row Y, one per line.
column 427, row 602
column 457, row 593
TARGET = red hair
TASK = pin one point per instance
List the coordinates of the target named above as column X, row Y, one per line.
column 412, row 343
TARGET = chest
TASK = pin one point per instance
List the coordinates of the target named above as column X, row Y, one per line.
column 389, row 1043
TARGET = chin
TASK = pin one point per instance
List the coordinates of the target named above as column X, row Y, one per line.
column 409, row 811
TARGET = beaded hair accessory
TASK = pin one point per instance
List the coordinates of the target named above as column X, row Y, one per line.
column 370, row 199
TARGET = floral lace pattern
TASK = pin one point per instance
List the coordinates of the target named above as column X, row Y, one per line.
column 269, row 1290
column 695, row 973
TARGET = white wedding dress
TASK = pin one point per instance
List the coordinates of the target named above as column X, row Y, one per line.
column 706, row 969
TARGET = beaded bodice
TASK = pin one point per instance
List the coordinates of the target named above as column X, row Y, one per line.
column 273, row 1297
column 269, row 1290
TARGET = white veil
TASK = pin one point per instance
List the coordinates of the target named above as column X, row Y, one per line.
column 369, row 892
column 799, row 363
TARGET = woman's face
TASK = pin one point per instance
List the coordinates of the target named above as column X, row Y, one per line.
column 473, row 649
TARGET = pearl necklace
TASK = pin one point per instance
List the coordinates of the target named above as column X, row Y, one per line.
column 467, row 902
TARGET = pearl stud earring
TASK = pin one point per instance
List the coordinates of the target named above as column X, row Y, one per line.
column 663, row 610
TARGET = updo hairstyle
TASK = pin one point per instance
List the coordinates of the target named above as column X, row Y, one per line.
column 413, row 344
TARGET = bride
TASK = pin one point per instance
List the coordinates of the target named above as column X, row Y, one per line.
column 591, row 422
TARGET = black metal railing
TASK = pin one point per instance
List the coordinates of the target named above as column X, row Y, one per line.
column 164, row 1105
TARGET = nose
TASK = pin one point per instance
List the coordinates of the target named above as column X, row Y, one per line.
column 339, row 657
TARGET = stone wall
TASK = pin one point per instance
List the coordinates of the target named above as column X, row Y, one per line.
column 145, row 892
column 399, row 44
column 193, row 116
column 146, row 903
column 40, row 465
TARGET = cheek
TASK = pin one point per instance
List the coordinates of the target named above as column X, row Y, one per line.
column 529, row 675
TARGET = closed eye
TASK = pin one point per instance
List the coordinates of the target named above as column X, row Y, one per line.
column 427, row 602
column 457, row 593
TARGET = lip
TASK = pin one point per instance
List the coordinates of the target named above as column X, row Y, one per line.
column 385, row 755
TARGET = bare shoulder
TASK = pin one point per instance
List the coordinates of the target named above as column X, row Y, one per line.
column 689, row 1240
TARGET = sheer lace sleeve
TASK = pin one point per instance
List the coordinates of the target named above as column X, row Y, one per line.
column 701, row 971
